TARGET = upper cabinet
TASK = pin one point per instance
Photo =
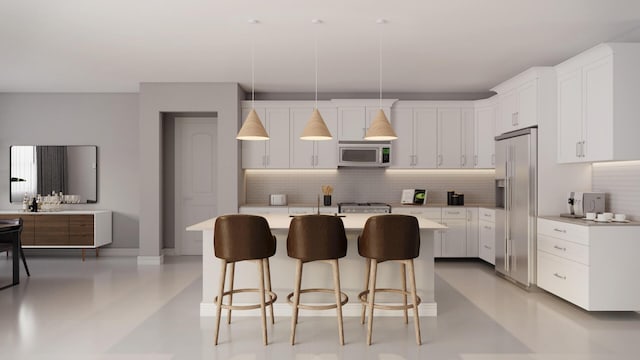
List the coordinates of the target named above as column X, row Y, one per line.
column 307, row 154
column 273, row 153
column 416, row 128
column 450, row 138
column 484, row 126
column 519, row 99
column 598, row 107
column 355, row 116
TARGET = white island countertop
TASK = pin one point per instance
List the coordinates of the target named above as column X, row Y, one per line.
column 350, row 221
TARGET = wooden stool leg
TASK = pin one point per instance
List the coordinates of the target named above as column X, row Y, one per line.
column 336, row 284
column 223, row 274
column 403, row 267
column 296, row 300
column 266, row 263
column 231, row 277
column 414, row 299
column 263, row 312
column 366, row 286
column 372, row 295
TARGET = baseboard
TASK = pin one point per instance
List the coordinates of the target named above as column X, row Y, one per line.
column 169, row 252
column 151, row 260
column 350, row 310
column 75, row 252
column 118, row 252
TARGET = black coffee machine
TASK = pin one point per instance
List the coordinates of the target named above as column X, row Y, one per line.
column 454, row 199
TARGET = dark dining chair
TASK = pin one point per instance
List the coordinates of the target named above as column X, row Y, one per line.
column 6, row 245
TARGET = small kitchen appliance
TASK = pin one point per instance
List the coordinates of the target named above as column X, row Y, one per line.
column 375, row 154
column 278, row 199
column 579, row 203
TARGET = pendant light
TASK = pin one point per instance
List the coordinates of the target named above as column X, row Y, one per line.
column 380, row 128
column 252, row 129
column 316, row 129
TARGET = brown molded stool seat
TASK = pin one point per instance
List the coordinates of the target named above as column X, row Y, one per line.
column 317, row 238
column 239, row 238
column 390, row 238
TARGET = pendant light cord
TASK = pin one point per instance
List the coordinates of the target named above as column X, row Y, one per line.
column 316, row 65
column 253, row 72
column 380, row 63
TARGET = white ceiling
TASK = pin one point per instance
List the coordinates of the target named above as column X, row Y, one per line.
column 428, row 45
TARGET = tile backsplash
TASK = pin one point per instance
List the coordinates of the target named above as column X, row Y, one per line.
column 372, row 185
column 621, row 182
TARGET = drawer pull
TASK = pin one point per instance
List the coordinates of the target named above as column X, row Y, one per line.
column 487, row 215
column 560, row 276
column 453, row 212
column 487, row 247
column 560, row 230
column 559, row 248
column 487, row 227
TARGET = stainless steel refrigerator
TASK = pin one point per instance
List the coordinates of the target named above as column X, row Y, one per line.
column 516, row 205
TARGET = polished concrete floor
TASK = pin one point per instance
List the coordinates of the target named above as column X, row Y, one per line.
column 111, row 308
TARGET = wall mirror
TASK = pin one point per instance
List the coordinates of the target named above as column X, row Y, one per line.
column 41, row 169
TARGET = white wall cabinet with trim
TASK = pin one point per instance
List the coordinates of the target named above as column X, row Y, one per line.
column 449, row 138
column 416, row 146
column 273, row 153
column 484, row 132
column 518, row 99
column 598, row 107
column 307, row 154
column 355, row 116
column 454, row 240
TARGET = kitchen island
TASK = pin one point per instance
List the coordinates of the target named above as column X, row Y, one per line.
column 352, row 270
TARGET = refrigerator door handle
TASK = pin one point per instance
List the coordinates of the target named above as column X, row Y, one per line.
column 507, row 206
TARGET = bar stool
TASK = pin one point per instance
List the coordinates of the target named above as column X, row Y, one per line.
column 238, row 238
column 390, row 238
column 317, row 238
column 8, row 246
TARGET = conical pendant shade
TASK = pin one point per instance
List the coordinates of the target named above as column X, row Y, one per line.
column 252, row 128
column 316, row 129
column 380, row 128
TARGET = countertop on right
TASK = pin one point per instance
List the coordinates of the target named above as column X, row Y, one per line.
column 585, row 222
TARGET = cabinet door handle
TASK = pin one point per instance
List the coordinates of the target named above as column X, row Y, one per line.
column 487, row 227
column 582, row 148
column 487, row 215
column 312, row 160
column 493, row 159
column 559, row 248
column 475, row 160
column 415, row 160
column 439, row 159
column 578, row 149
column 560, row 230
column 264, row 160
column 268, row 160
column 453, row 212
column 560, row 276
column 463, row 160
column 317, row 161
column 487, row 247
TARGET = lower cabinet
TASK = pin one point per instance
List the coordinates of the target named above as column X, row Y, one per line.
column 64, row 229
column 454, row 239
column 486, row 235
column 594, row 267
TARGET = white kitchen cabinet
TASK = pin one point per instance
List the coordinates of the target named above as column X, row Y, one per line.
column 449, row 138
column 593, row 266
column 468, row 139
column 431, row 213
column 597, row 104
column 307, row 154
column 484, row 132
column 416, row 146
column 486, row 235
column 472, row 232
column 454, row 239
column 304, row 210
column 518, row 99
column 273, row 153
column 355, row 117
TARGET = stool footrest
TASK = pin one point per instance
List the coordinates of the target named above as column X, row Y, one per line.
column 272, row 298
column 343, row 299
column 363, row 300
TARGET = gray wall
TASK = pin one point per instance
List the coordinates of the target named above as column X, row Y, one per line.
column 109, row 121
column 159, row 98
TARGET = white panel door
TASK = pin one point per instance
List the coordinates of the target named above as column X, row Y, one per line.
column 527, row 105
column 254, row 152
column 278, row 143
column 569, row 116
column 371, row 114
column 449, row 138
column 472, row 232
column 484, row 137
column 454, row 239
column 195, row 181
column 507, row 111
column 426, row 138
column 403, row 152
column 351, row 123
column 598, row 115
column 302, row 151
column 326, row 151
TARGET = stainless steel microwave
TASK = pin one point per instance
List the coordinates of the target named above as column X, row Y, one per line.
column 364, row 153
